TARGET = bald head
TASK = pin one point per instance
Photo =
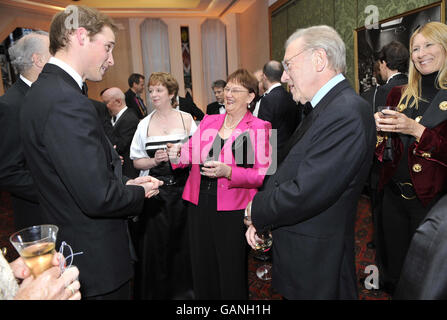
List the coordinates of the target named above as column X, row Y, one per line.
column 115, row 100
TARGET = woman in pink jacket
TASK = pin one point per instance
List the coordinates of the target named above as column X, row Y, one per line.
column 229, row 156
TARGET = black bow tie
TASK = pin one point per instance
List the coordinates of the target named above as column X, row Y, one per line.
column 307, row 108
column 84, row 89
column 114, row 118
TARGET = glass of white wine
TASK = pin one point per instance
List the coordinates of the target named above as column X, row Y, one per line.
column 36, row 245
column 264, row 272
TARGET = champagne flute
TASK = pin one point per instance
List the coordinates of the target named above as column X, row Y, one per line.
column 36, row 245
column 264, row 271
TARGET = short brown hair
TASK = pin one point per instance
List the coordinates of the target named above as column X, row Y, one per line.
column 245, row 79
column 166, row 80
column 73, row 17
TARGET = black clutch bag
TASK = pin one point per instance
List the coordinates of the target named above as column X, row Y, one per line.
column 243, row 151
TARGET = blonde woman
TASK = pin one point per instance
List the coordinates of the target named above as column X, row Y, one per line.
column 416, row 178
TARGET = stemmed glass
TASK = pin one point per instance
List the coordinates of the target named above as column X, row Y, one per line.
column 169, row 181
column 264, row 271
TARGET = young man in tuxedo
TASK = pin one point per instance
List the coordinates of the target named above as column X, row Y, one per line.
column 28, row 56
column 218, row 106
column 393, row 65
column 77, row 171
column 133, row 95
column 310, row 203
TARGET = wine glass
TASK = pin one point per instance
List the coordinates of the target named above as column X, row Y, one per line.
column 168, row 181
column 264, row 271
column 36, row 245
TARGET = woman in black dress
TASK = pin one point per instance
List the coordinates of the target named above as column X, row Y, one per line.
column 164, row 268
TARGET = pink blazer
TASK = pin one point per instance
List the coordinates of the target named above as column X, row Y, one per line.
column 232, row 194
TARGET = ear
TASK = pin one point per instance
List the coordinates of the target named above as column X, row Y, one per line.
column 81, row 36
column 320, row 60
column 250, row 98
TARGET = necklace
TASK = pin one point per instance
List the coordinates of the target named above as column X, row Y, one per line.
column 234, row 125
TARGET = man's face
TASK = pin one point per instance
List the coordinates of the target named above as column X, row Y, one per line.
column 219, row 94
column 139, row 87
column 99, row 54
column 299, row 72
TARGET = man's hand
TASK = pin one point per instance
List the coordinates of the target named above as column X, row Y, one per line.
column 150, row 185
column 252, row 238
column 21, row 270
column 51, row 285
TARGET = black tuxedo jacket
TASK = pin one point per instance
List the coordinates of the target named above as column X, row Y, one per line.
column 15, row 176
column 423, row 273
column 213, row 108
column 78, row 175
column 104, row 117
column 310, row 203
column 382, row 91
column 278, row 108
column 132, row 104
column 190, row 107
column 122, row 135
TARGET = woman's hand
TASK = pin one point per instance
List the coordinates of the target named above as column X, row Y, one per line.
column 393, row 121
column 160, row 156
column 173, row 151
column 216, row 169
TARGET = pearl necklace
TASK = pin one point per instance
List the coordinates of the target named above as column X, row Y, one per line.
column 233, row 126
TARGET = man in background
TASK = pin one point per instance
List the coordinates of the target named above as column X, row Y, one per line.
column 124, row 123
column 28, row 56
column 277, row 105
column 133, row 95
column 218, row 106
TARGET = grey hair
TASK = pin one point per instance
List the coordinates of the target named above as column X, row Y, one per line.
column 21, row 52
column 326, row 38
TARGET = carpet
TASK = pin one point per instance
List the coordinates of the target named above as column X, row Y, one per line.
column 258, row 289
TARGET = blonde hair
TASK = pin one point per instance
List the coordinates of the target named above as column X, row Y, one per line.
column 437, row 33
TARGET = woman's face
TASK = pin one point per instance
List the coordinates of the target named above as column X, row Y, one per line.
column 427, row 56
column 159, row 96
column 236, row 97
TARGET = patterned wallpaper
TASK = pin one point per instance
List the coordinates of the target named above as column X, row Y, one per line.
column 344, row 15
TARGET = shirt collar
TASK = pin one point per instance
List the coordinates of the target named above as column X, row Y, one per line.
column 29, row 83
column 326, row 88
column 121, row 113
column 67, row 68
column 392, row 76
column 272, row 87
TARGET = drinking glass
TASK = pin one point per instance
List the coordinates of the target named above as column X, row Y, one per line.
column 36, row 245
column 201, row 165
column 169, row 181
column 264, row 271
column 381, row 108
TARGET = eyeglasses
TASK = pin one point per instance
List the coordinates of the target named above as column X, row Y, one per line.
column 234, row 90
column 286, row 63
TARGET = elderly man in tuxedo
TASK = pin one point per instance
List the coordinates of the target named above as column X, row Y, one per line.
column 310, row 203
column 76, row 169
column 28, row 56
column 124, row 123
